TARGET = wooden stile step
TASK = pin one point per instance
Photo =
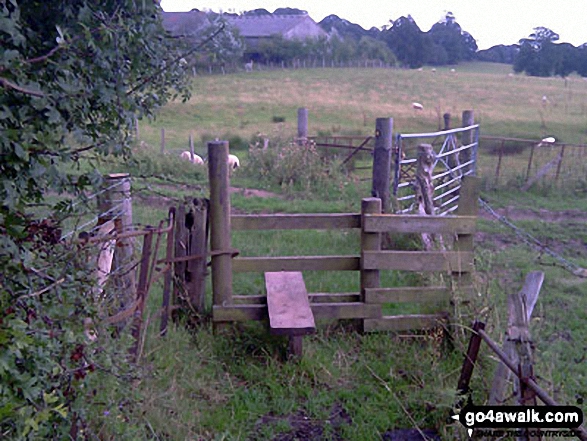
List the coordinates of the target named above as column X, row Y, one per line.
column 289, row 307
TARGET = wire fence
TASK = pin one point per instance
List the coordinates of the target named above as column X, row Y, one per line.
column 525, row 163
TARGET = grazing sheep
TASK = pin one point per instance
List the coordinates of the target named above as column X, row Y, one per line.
column 195, row 160
column 433, row 69
column 548, row 140
column 249, row 66
column 233, row 162
column 544, row 99
column 453, row 70
column 417, row 106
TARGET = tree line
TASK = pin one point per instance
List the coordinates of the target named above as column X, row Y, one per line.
column 403, row 44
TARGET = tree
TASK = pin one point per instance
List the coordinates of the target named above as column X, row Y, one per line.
column 74, row 75
column 538, row 54
column 407, row 41
column 458, row 44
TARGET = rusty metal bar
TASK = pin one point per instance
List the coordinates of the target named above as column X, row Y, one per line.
column 470, row 358
column 168, row 275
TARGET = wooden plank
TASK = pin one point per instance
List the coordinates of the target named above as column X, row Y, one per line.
column 326, row 297
column 419, row 260
column 295, row 221
column 407, row 294
column 404, row 322
column 322, row 297
column 288, row 305
column 296, row 263
column 345, row 310
column 239, row 313
column 350, row 310
column 420, row 224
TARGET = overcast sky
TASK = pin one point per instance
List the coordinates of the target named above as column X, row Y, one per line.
column 490, row 22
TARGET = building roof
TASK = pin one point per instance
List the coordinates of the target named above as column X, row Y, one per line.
column 267, row 25
column 184, row 23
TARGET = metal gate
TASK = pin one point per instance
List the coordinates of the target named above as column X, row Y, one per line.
column 455, row 156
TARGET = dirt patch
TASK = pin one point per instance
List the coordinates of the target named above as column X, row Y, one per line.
column 254, row 193
column 302, row 427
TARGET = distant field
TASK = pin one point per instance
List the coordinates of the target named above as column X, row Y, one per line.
column 347, row 101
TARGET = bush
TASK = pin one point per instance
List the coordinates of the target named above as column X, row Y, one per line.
column 293, row 167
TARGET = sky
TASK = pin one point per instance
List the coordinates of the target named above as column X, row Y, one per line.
column 490, row 22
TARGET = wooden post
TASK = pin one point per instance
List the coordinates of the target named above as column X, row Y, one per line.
column 302, row 126
column 560, row 162
column 116, row 204
column 530, row 162
column 191, row 143
column 446, row 117
column 467, row 138
column 369, row 242
column 198, row 246
column 424, row 189
column 180, row 250
column 520, row 307
column 162, row 140
column 498, row 167
column 141, row 293
column 382, row 163
column 463, row 282
column 220, row 231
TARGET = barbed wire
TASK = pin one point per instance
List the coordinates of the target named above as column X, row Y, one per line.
column 534, row 242
column 113, row 212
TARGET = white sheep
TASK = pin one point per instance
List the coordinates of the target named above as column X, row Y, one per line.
column 548, row 140
column 417, row 106
column 195, row 160
column 233, row 162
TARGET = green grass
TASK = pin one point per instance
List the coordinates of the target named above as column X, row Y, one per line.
column 236, row 385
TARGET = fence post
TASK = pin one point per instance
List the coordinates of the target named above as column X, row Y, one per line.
column 468, row 206
column 369, row 242
column 220, row 232
column 302, row 125
column 467, row 138
column 191, row 143
column 180, row 250
column 198, row 246
column 162, row 140
column 116, row 203
column 382, row 162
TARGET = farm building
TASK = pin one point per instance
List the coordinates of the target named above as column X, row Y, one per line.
column 257, row 28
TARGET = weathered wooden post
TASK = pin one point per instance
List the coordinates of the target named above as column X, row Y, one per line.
column 423, row 187
column 517, row 340
column 162, row 140
column 369, row 242
column 446, row 118
column 220, row 231
column 468, row 138
column 191, row 144
column 498, row 167
column 463, row 281
column 382, row 162
column 198, row 246
column 302, row 126
column 180, row 251
column 115, row 203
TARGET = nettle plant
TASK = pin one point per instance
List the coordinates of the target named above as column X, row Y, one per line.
column 74, row 75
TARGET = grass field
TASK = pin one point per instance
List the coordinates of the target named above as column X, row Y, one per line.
column 234, row 385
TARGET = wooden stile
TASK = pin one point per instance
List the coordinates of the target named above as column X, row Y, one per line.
column 298, row 263
column 421, row 261
column 288, row 304
column 420, row 224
